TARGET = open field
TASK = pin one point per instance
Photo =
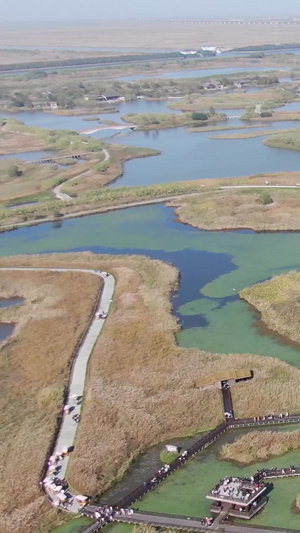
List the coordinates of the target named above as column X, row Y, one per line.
column 14, row 55
column 260, row 446
column 244, row 208
column 279, row 303
column 140, row 388
column 147, row 34
column 34, row 371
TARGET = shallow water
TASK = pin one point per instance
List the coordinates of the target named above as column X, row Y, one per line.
column 6, row 330
column 10, row 302
column 204, row 72
column 212, row 265
column 188, row 156
column 29, row 156
column 185, row 491
column 78, row 525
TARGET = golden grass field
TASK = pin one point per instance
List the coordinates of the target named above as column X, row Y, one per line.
column 140, row 387
column 278, row 301
column 260, row 446
column 235, row 209
column 147, row 35
column 34, row 371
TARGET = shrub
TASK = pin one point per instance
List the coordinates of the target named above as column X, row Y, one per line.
column 13, row 171
column 266, row 114
column 265, row 198
column 199, row 116
column 168, row 457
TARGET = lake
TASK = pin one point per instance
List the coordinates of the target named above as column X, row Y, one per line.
column 212, row 265
column 184, row 155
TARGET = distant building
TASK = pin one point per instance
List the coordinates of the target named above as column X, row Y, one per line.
column 106, row 98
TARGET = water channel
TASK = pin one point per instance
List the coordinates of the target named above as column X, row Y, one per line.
column 211, row 266
column 184, row 155
column 7, row 328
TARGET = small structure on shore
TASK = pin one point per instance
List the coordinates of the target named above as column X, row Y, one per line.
column 230, row 376
column 237, row 497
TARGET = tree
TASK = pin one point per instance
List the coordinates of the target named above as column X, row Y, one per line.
column 199, row 116
column 265, row 198
column 212, row 111
column 13, row 171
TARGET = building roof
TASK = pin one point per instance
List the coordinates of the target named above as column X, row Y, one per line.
column 240, row 373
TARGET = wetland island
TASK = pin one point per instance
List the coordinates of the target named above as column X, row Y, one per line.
column 150, row 272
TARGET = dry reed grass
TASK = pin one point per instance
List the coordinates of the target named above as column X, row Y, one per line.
column 260, row 445
column 233, row 209
column 34, row 371
column 278, row 300
column 140, row 388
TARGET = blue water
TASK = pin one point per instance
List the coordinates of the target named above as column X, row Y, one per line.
column 5, row 330
column 29, row 156
column 203, row 72
column 188, row 156
column 211, row 264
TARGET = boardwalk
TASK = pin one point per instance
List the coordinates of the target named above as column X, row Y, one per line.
column 67, row 433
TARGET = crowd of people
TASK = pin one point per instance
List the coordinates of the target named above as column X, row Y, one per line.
column 270, row 417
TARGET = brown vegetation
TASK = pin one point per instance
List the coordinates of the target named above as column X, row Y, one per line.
column 278, row 300
column 162, row 34
column 244, row 208
column 260, row 445
column 140, row 385
column 34, row 371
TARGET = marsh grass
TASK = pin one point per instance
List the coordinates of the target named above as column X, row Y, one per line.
column 235, row 209
column 260, row 446
column 278, row 300
column 140, row 386
column 34, row 366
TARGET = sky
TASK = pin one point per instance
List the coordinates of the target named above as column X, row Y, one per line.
column 32, row 10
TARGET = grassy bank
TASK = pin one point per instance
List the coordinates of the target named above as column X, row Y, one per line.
column 260, row 446
column 279, row 304
column 149, row 121
column 257, row 209
column 289, row 140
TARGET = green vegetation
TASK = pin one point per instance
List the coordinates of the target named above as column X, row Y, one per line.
column 265, row 198
column 243, row 208
column 279, row 303
column 260, row 445
column 168, row 120
column 168, row 457
column 13, row 171
column 199, row 116
column 289, row 140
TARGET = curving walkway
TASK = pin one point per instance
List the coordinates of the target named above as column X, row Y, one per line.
column 67, row 433
column 59, row 195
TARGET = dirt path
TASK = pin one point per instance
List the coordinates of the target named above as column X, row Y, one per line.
column 65, row 197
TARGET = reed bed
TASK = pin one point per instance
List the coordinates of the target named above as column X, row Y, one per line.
column 260, row 446
column 278, row 300
column 34, row 372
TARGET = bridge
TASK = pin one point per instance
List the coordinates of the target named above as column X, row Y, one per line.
column 54, row 159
